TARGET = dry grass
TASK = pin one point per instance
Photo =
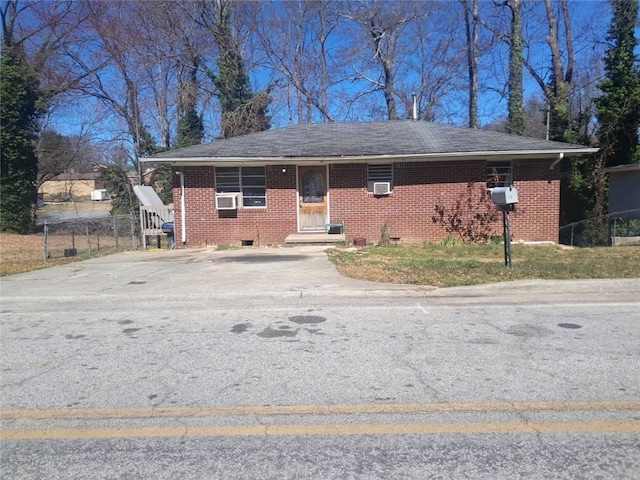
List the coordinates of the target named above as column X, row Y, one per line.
column 22, row 253
column 444, row 266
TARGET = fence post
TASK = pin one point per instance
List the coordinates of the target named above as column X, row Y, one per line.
column 132, row 223
column 86, row 229
column 572, row 227
column 46, row 241
column 115, row 231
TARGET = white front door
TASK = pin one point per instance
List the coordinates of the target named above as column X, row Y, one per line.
column 312, row 197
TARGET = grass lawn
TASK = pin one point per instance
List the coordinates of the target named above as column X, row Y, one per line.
column 447, row 266
column 24, row 253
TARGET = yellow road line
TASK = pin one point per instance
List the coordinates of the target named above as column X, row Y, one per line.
column 103, row 413
column 329, row 430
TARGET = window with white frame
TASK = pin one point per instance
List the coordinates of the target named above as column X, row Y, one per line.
column 499, row 174
column 249, row 181
column 382, row 173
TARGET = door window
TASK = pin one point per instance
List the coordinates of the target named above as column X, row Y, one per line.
column 312, row 187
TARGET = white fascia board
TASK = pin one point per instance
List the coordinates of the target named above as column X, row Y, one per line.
column 481, row 155
column 622, row 168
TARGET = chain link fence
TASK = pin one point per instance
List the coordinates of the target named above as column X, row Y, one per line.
column 619, row 228
column 90, row 236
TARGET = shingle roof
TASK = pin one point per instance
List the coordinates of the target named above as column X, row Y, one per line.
column 367, row 141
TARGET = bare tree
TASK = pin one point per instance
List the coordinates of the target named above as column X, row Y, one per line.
column 185, row 48
column 557, row 90
column 383, row 23
column 294, row 40
column 61, row 154
column 402, row 49
column 112, row 70
column 156, row 56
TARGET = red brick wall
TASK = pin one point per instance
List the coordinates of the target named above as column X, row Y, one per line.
column 537, row 216
column 418, row 187
column 262, row 226
column 408, row 212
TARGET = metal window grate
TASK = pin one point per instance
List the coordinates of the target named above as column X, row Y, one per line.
column 499, row 174
column 379, row 174
column 250, row 181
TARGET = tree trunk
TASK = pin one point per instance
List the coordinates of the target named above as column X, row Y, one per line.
column 471, row 24
column 558, row 93
column 515, row 120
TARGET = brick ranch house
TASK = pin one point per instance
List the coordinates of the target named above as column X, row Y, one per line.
column 281, row 185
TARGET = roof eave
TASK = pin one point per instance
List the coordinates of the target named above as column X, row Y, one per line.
column 480, row 155
column 623, row 168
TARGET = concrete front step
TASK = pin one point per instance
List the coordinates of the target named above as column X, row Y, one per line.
column 315, row 238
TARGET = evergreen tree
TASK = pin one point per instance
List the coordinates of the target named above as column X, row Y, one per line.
column 19, row 164
column 162, row 182
column 190, row 129
column 619, row 106
column 123, row 200
column 190, row 132
column 242, row 111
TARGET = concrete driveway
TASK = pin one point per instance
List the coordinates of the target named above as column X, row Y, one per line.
column 258, row 273
column 227, row 274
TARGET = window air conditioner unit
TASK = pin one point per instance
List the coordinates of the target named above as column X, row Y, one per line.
column 227, row 201
column 382, row 188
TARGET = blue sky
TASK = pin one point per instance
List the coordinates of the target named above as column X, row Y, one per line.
column 590, row 20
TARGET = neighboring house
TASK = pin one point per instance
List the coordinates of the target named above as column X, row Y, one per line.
column 282, row 185
column 624, row 190
column 70, row 185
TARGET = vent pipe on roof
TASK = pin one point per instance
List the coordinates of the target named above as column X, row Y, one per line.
column 414, row 110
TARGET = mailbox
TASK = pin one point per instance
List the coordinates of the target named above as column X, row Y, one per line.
column 504, row 195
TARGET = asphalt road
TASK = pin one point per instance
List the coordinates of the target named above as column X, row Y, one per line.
column 65, row 211
column 268, row 364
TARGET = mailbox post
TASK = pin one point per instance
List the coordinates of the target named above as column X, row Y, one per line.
column 505, row 199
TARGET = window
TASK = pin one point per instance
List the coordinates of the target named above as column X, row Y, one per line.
column 250, row 181
column 499, row 174
column 313, row 187
column 379, row 173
